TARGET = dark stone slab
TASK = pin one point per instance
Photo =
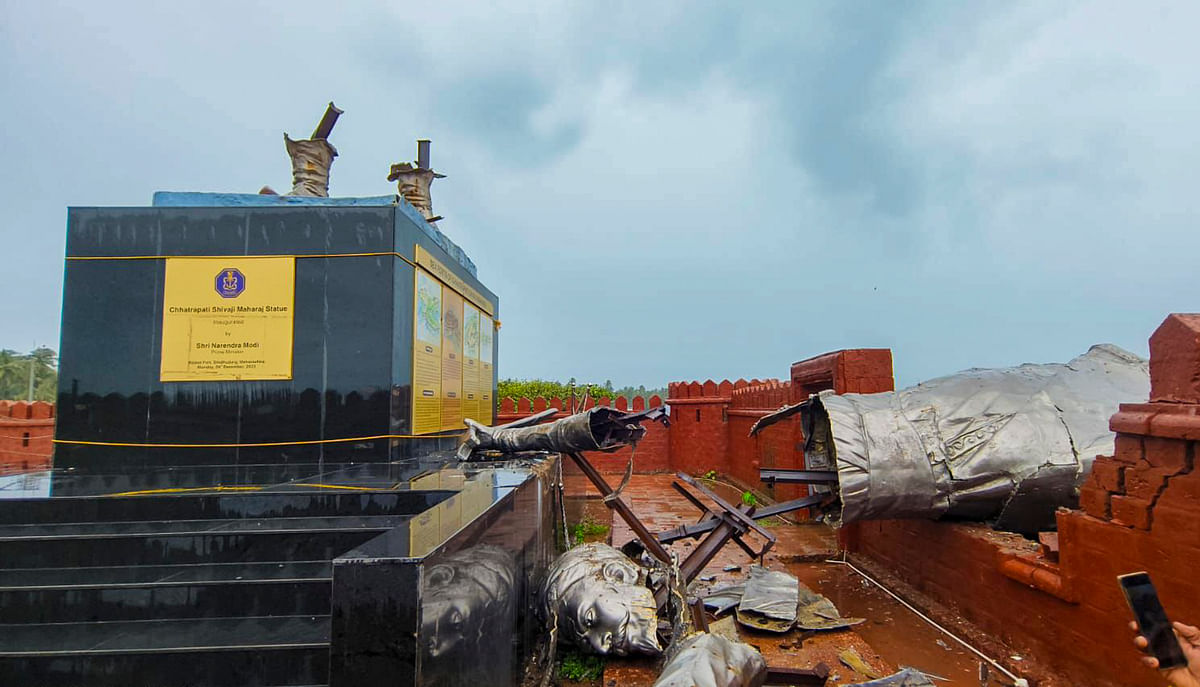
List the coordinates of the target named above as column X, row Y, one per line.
column 460, row 611
column 352, row 342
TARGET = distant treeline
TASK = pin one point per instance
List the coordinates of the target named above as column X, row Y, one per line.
column 15, row 369
column 532, row 388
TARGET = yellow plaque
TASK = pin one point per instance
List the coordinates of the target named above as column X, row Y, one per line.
column 427, row 354
column 228, row 319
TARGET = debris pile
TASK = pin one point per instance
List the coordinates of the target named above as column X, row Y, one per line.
column 637, row 601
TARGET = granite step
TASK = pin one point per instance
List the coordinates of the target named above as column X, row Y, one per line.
column 221, row 652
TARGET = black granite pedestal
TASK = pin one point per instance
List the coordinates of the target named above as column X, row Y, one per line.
column 352, row 366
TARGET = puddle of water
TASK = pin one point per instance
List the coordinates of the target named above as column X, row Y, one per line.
column 899, row 635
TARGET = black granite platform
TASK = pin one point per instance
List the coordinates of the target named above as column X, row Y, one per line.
column 264, row 587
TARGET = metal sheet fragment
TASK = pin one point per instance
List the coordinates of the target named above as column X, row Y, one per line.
column 724, row 598
column 710, row 660
column 770, row 600
column 909, row 677
column 853, row 660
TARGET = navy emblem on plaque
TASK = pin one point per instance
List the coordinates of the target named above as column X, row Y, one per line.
column 230, row 282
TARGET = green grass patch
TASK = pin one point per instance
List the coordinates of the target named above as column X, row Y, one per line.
column 581, row 667
column 588, row 530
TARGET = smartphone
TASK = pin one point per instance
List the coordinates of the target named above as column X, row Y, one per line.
column 1152, row 619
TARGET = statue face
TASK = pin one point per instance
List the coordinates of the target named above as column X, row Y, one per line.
column 447, row 622
column 600, row 602
column 467, row 601
column 605, row 617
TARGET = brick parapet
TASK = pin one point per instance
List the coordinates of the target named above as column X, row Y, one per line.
column 708, row 389
column 848, row 371
column 510, row 409
column 1156, row 442
column 1175, row 360
column 769, row 395
column 699, row 438
column 26, row 436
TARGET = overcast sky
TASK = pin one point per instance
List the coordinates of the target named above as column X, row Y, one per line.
column 663, row 191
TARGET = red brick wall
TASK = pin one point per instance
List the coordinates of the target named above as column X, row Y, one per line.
column 700, row 425
column 26, row 436
column 778, row 446
column 860, row 370
column 1140, row 510
column 743, row 448
column 853, row 371
column 710, row 421
column 782, row 446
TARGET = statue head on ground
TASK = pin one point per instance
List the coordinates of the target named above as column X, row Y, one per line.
column 599, row 600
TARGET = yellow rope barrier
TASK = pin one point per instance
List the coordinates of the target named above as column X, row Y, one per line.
column 184, row 490
column 257, row 444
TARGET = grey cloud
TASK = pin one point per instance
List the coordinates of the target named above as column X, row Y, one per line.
column 497, row 107
column 744, row 185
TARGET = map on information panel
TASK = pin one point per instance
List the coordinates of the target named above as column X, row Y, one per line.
column 453, row 335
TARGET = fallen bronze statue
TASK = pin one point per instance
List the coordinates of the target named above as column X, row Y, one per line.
column 597, row 429
column 1008, row 446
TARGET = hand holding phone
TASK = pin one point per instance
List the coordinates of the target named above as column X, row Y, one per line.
column 1152, row 621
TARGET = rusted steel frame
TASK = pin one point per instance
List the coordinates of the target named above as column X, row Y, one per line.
column 706, row 549
column 782, row 476
column 708, row 523
column 779, row 675
column 731, row 509
column 622, row 509
column 710, row 519
column 705, row 511
column 794, row 504
column 746, row 547
column 699, row 616
column 325, row 126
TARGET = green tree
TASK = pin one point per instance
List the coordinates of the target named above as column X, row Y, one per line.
column 641, row 390
column 532, row 388
column 15, row 369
